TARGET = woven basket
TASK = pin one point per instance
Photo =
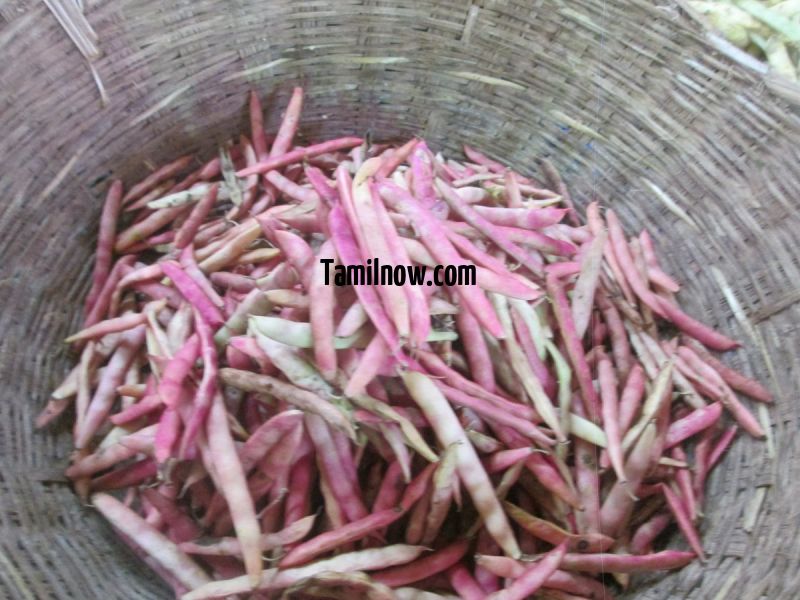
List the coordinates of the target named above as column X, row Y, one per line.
column 631, row 100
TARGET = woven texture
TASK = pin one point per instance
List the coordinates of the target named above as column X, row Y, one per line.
column 630, row 99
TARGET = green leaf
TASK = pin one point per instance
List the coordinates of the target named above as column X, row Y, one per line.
column 772, row 19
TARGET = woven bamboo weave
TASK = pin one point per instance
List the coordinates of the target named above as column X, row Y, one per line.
column 631, row 99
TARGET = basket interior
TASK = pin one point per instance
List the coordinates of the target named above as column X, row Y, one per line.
column 628, row 99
